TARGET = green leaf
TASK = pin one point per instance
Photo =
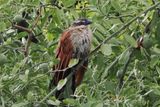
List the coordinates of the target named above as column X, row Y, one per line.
column 155, row 20
column 3, row 59
column 158, row 30
column 116, row 5
column 156, row 103
column 22, row 104
column 61, row 83
column 147, row 42
column 120, row 73
column 3, row 26
column 99, row 105
column 69, row 101
column 157, row 33
column 158, row 69
column 156, row 50
column 68, row 3
column 73, row 62
column 22, row 34
column 100, row 28
column 17, row 18
column 156, row 90
column 18, row 65
column 131, row 40
column 30, row 96
column 51, row 102
column 106, row 49
column 43, row 66
column 49, row 37
column 154, row 61
column 124, row 56
column 10, row 31
column 24, row 77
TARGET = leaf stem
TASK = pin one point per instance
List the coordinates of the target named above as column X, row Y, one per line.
column 48, row 95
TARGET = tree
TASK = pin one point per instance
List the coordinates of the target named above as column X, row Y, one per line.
column 124, row 67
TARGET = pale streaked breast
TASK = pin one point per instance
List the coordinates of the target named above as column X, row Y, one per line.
column 81, row 40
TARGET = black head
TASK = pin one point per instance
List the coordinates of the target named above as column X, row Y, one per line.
column 81, row 22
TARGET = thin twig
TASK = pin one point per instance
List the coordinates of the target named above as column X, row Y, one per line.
column 22, row 28
column 121, row 77
column 48, row 95
column 26, row 51
column 105, row 74
column 120, row 16
column 124, row 27
column 31, row 33
column 38, row 17
column 22, row 4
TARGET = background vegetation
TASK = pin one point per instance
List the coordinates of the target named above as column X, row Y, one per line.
column 124, row 67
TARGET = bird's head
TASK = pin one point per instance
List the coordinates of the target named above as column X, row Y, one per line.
column 81, row 22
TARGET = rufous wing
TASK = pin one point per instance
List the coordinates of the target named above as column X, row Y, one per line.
column 64, row 54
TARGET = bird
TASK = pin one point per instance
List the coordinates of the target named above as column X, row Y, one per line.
column 74, row 43
column 21, row 20
column 25, row 24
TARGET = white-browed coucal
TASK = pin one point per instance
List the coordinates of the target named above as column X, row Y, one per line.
column 75, row 43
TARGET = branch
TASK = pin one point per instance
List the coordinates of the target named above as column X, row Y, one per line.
column 124, row 27
column 38, row 16
column 110, row 37
column 48, row 95
column 23, row 5
column 31, row 33
column 55, row 5
column 120, row 16
column 26, row 51
column 121, row 76
column 22, row 28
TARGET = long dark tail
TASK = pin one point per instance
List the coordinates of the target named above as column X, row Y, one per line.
column 75, row 80
column 59, row 69
column 79, row 74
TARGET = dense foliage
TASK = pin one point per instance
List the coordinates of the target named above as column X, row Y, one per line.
column 124, row 67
